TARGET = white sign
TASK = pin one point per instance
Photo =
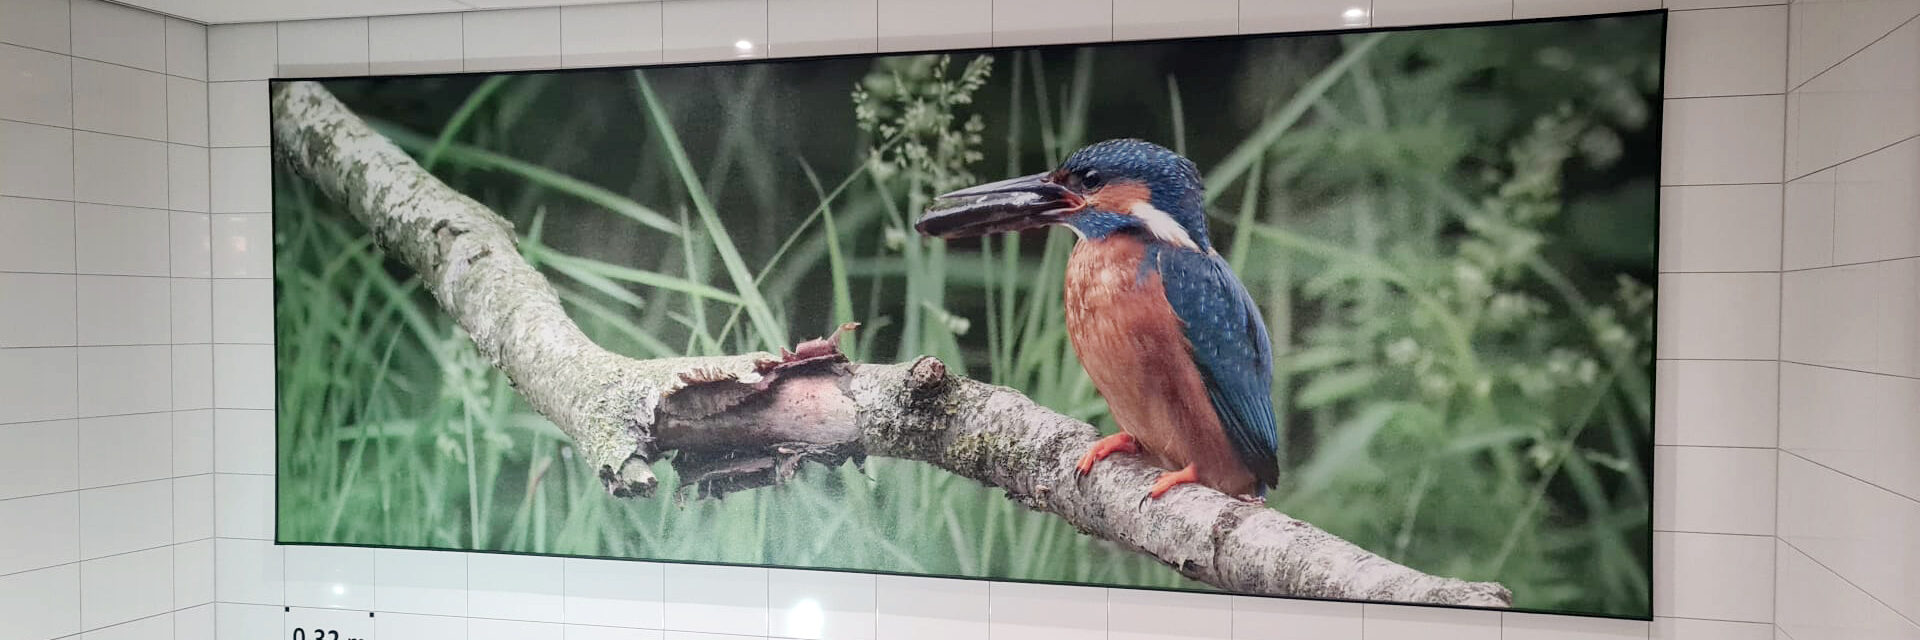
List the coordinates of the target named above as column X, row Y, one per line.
column 327, row 624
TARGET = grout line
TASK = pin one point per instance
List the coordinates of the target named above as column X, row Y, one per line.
column 1860, row 371
column 1837, row 164
column 73, row 188
column 1841, row 265
column 1850, row 476
column 1869, row 45
column 1845, row 579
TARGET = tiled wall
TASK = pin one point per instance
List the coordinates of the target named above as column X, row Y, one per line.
column 106, row 432
column 1849, row 493
column 1720, row 421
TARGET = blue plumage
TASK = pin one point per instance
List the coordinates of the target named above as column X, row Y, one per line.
column 1231, row 347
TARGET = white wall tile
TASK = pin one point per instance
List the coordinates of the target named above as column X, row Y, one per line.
column 911, row 608
column 423, row 582
column 187, row 112
column 584, row 632
column 39, row 235
column 119, row 34
column 512, row 39
column 1047, row 612
column 1815, row 604
column 1855, row 317
column 186, row 49
column 39, row 310
column 1863, row 424
column 37, row 384
column 129, row 517
column 1808, row 228
column 814, row 605
column 1722, row 140
column 250, row 621
column 529, row 588
column 110, row 98
column 1160, row 615
column 192, row 320
column 1386, row 622
column 197, row 622
column 1714, row 490
column 1726, row 52
column 241, row 51
column 1825, row 32
column 1687, row 629
column 41, row 604
column 39, row 86
column 1877, row 205
column 121, row 380
column 119, row 310
column 963, row 24
column 418, row 627
column 1406, row 12
column 1548, row 8
column 243, row 441
column 1304, row 15
column 611, row 593
column 125, row 587
column 330, row 577
column 715, row 599
column 126, row 241
column 243, row 376
column 1527, row 626
column 243, row 246
column 415, row 44
column 248, row 572
column 1145, row 19
column 1713, row 576
column 314, row 48
column 192, row 442
column 1063, row 21
column 41, row 24
column 1865, row 103
column 189, row 250
column 38, row 457
column 36, row 161
column 193, row 511
column 242, row 182
column 1688, row 5
column 39, row 531
column 158, row 626
column 485, row 629
column 713, row 30
column 1719, row 315
column 610, row 34
column 243, row 311
column 1282, row 619
column 822, row 27
column 1720, row 228
column 237, row 114
column 242, row 507
column 109, row 169
column 1867, row 535
column 188, row 182
column 126, row 449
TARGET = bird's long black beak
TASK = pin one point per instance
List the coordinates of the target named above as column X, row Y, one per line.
column 1008, row 205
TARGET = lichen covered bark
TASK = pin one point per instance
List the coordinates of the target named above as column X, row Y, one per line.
column 736, row 423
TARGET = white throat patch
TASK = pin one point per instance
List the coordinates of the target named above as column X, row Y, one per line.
column 1161, row 225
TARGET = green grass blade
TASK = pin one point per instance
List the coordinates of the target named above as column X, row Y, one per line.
column 772, row 334
column 1241, row 160
column 836, row 259
column 458, row 121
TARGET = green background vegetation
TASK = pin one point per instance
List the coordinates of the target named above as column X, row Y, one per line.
column 1451, row 231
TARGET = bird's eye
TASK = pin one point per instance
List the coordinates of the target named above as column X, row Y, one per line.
column 1092, row 180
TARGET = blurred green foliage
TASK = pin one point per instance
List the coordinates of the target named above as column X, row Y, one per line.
column 1452, row 232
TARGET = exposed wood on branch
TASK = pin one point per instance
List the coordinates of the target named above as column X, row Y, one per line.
column 740, row 422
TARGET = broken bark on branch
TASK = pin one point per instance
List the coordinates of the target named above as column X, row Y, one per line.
column 740, row 422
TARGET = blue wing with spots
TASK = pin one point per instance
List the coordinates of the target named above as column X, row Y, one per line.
column 1231, row 347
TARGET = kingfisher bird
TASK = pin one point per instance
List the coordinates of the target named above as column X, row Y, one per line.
column 1170, row 338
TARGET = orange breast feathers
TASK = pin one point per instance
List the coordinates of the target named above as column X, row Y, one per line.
column 1135, row 349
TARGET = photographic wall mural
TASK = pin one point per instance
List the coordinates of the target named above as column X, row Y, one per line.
column 1360, row 315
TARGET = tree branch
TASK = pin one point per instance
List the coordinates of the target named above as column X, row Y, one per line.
column 740, row 422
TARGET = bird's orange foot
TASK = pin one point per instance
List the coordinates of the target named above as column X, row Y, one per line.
column 1172, row 479
column 1116, row 443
